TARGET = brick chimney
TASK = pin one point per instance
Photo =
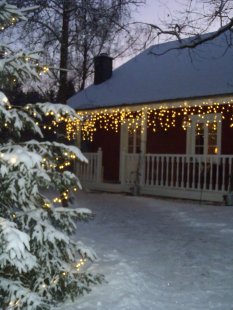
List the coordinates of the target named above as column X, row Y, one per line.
column 103, row 68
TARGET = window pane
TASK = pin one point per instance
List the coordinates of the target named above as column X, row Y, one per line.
column 203, row 134
column 212, row 140
column 138, row 140
column 200, row 129
column 130, row 149
column 212, row 150
column 138, row 135
column 199, row 150
column 130, row 142
column 134, row 140
column 212, row 128
column 200, row 140
column 130, row 138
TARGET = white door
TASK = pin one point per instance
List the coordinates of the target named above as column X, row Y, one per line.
column 133, row 145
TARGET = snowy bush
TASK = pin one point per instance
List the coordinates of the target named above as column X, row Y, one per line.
column 40, row 264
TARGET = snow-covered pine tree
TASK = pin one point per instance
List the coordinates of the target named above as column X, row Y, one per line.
column 40, row 264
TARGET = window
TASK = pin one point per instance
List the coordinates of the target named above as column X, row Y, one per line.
column 134, row 140
column 204, row 135
column 133, row 137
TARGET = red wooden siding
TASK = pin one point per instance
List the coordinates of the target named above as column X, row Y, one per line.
column 227, row 136
column 172, row 141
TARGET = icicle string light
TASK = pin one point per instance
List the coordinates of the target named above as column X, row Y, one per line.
column 157, row 118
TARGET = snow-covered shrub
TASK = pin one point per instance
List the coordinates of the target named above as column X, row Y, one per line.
column 40, row 264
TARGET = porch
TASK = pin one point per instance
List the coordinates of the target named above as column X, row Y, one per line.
column 196, row 177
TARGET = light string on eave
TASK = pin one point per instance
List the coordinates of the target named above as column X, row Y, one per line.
column 156, row 118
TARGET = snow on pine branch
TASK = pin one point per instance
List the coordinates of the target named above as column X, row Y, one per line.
column 18, row 297
column 4, row 100
column 56, row 110
column 23, row 170
column 86, row 252
column 44, row 232
column 50, row 148
column 15, row 250
column 19, row 66
column 16, row 155
column 16, row 120
column 66, row 219
column 79, row 214
column 9, row 14
column 80, row 211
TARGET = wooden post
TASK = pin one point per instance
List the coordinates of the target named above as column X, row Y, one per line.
column 142, row 161
column 122, row 167
column 99, row 165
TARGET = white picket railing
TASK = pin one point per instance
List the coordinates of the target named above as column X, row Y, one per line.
column 91, row 172
column 195, row 172
column 173, row 175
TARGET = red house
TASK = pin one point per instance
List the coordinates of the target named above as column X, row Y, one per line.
column 162, row 123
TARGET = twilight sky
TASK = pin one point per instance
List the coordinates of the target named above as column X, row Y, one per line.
column 156, row 9
column 152, row 12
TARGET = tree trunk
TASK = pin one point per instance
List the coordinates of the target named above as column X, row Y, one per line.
column 84, row 67
column 62, row 91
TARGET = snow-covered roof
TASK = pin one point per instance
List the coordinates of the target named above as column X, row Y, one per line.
column 163, row 72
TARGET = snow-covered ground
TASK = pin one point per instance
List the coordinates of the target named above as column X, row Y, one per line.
column 158, row 254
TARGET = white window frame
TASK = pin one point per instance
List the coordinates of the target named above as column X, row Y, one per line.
column 134, row 134
column 125, row 138
column 191, row 132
